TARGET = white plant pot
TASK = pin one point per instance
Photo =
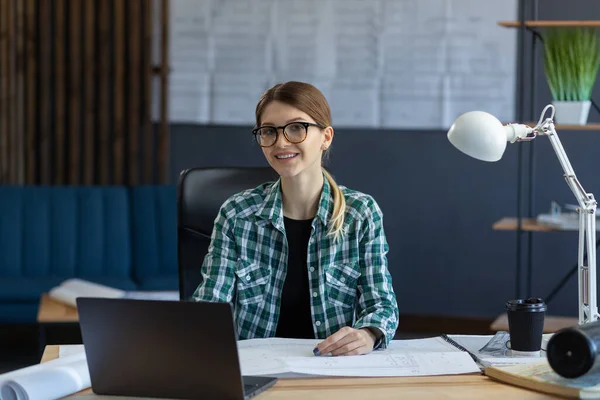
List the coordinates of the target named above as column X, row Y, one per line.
column 571, row 112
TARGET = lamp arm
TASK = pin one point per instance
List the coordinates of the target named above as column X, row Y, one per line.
column 585, row 200
column 588, row 309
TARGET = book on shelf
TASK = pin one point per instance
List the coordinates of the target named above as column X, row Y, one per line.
column 541, row 378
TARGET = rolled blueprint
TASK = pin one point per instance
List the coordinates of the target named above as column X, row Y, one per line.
column 47, row 381
column 573, row 352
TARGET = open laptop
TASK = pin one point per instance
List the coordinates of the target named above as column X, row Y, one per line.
column 168, row 349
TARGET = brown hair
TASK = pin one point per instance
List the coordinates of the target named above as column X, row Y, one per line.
column 307, row 98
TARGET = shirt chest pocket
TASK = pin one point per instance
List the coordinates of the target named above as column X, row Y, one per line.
column 342, row 281
column 251, row 282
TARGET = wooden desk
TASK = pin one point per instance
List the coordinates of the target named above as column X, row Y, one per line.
column 551, row 324
column 471, row 386
column 51, row 311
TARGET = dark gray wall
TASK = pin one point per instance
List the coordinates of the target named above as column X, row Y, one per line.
column 439, row 205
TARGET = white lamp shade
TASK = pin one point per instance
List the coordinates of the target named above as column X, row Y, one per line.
column 479, row 135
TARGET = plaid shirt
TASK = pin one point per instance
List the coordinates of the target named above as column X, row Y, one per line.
column 349, row 280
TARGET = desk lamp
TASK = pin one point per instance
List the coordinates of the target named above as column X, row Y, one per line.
column 482, row 136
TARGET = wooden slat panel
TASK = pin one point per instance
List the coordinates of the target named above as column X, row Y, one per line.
column 20, row 93
column 4, row 103
column 147, row 71
column 74, row 166
column 104, row 124
column 45, row 87
column 31, row 117
column 89, row 66
column 42, row 111
column 59, row 91
column 11, row 134
column 163, row 137
column 119, row 92
column 135, row 47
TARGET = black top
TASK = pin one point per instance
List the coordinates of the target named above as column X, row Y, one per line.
column 295, row 320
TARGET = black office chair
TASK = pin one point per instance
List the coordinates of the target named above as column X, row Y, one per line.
column 200, row 194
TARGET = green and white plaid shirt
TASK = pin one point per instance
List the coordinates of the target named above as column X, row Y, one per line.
column 349, row 280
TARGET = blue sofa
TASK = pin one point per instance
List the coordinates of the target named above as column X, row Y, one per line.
column 154, row 218
column 116, row 236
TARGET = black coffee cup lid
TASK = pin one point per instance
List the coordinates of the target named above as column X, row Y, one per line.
column 532, row 304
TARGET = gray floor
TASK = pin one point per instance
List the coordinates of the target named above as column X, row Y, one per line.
column 18, row 358
column 18, row 347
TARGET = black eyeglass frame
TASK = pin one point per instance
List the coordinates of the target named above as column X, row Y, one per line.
column 277, row 128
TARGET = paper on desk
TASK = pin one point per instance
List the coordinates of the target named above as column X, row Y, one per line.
column 431, row 356
column 67, row 350
column 69, row 290
column 50, row 380
column 168, row 295
column 267, row 356
column 474, row 343
column 386, row 363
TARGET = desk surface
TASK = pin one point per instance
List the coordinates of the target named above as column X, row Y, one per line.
column 471, row 386
column 51, row 311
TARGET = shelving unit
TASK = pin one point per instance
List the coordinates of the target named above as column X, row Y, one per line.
column 563, row 127
column 549, row 24
column 559, row 127
column 522, row 223
column 527, row 224
column 551, row 324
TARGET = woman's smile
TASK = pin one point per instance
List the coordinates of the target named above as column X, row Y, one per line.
column 285, row 156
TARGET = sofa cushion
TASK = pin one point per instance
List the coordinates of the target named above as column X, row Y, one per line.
column 62, row 231
column 167, row 282
column 19, row 313
column 154, row 236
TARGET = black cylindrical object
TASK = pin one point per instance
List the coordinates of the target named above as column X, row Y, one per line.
column 573, row 352
column 526, row 323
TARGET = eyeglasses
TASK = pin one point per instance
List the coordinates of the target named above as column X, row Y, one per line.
column 294, row 132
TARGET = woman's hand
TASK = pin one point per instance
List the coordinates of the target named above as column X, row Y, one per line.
column 347, row 342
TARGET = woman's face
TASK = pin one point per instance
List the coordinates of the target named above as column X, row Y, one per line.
column 291, row 159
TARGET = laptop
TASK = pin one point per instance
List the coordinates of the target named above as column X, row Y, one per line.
column 161, row 348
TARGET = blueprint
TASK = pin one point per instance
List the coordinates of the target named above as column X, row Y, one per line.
column 417, row 357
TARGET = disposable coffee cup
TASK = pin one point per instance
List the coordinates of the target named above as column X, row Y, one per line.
column 526, row 324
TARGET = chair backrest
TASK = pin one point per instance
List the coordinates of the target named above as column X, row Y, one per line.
column 200, row 194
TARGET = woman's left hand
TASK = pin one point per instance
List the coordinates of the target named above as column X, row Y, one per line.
column 347, row 342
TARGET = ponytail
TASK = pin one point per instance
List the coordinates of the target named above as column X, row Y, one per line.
column 336, row 223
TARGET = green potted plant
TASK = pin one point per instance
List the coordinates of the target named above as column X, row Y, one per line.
column 571, row 61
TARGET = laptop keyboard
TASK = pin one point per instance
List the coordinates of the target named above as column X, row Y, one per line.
column 248, row 387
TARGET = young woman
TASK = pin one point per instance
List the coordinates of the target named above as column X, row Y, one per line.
column 302, row 257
